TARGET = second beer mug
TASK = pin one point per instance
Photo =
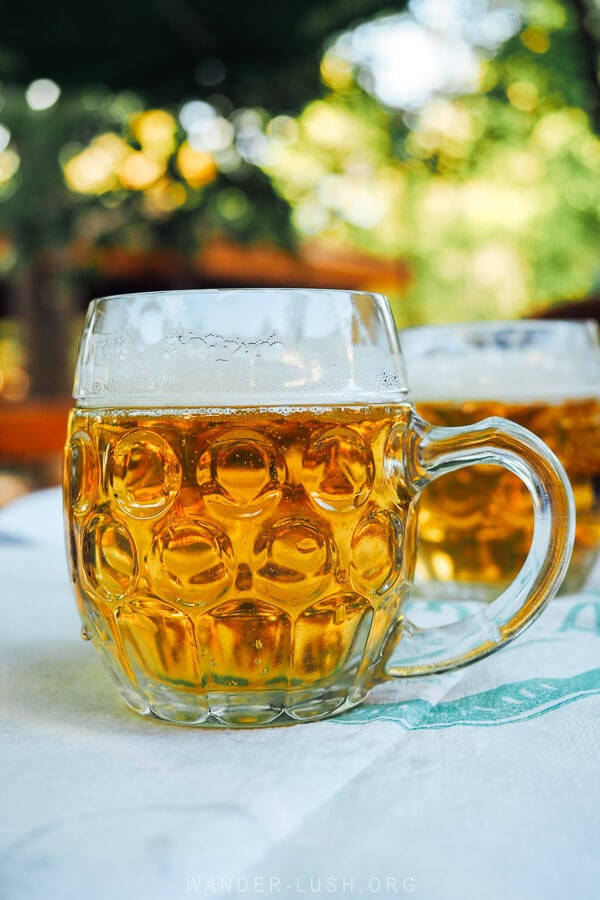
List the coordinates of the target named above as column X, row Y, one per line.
column 240, row 477
column 475, row 526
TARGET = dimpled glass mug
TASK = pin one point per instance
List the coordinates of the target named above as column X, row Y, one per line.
column 475, row 526
column 241, row 472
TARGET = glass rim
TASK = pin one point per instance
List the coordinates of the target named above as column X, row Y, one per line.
column 511, row 360
column 493, row 324
column 190, row 292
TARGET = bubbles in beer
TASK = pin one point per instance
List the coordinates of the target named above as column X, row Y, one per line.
column 250, row 644
column 145, row 474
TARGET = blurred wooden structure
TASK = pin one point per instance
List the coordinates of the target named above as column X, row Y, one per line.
column 32, row 437
column 589, row 308
column 222, row 263
column 32, row 431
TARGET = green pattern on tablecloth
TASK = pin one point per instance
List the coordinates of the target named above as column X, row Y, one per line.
column 509, row 702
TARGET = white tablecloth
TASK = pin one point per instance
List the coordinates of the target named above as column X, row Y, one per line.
column 482, row 783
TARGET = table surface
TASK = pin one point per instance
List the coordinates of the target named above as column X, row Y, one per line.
column 480, row 783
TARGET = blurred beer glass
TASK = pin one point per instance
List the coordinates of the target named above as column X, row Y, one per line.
column 475, row 525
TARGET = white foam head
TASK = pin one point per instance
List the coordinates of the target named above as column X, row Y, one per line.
column 521, row 360
column 250, row 347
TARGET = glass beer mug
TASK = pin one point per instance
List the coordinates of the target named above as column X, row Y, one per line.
column 475, row 526
column 241, row 472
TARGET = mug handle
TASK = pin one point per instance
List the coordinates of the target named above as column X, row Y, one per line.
column 430, row 451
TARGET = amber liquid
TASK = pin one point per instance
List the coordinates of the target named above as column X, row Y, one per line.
column 234, row 553
column 476, row 525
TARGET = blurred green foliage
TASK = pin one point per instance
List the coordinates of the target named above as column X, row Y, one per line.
column 493, row 196
column 40, row 209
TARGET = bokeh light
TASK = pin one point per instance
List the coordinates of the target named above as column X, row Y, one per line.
column 42, row 94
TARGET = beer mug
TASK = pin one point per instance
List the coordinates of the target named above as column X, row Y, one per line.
column 241, row 472
column 475, row 527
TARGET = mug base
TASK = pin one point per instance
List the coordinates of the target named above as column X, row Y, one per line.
column 248, row 710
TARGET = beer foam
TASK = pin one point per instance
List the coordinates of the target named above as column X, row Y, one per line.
column 239, row 348
column 524, row 361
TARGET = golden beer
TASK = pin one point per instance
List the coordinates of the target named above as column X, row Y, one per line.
column 217, row 552
column 475, row 525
